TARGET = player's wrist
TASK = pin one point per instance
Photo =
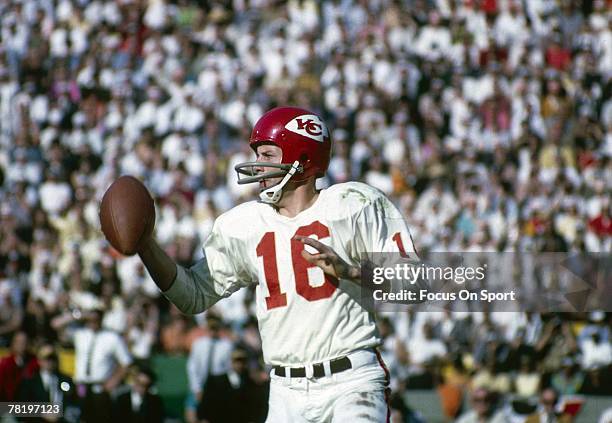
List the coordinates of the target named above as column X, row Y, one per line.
column 354, row 273
column 145, row 246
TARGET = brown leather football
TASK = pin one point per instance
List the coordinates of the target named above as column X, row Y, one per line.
column 127, row 214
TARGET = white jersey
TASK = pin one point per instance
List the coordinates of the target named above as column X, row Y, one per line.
column 304, row 316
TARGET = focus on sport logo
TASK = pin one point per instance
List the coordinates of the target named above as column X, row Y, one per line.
column 309, row 126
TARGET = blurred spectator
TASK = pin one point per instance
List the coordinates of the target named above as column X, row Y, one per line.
column 569, row 379
column 606, row 416
column 209, row 356
column 393, row 353
column 173, row 333
column 55, row 193
column 222, row 393
column 141, row 329
column 401, row 412
column 520, row 355
column 527, row 381
column 139, row 403
column 596, row 325
column 115, row 315
column 490, row 377
column 547, row 410
column 48, row 384
column 596, row 352
column 11, row 312
column 558, row 56
column 595, row 382
column 483, row 409
column 556, row 343
column 424, row 352
column 451, row 397
column 15, row 367
column 101, row 362
column 37, row 321
column 427, row 348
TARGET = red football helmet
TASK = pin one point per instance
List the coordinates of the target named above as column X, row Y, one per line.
column 303, row 138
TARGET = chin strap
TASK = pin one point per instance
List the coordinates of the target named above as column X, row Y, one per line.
column 273, row 194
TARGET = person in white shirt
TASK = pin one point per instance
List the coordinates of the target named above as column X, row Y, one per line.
column 425, row 349
column 596, row 352
column 434, row 40
column 209, row 355
column 55, row 194
column 101, row 362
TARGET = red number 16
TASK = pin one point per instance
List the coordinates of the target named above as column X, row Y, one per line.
column 267, row 249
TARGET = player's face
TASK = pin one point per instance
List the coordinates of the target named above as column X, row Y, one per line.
column 267, row 153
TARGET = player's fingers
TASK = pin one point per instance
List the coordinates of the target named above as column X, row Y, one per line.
column 310, row 258
column 314, row 258
column 321, row 256
column 312, row 242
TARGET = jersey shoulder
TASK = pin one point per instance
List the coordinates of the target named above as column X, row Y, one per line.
column 355, row 195
column 238, row 219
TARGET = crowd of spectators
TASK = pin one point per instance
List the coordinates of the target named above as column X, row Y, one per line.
column 489, row 122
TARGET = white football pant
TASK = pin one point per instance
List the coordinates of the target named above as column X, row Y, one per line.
column 356, row 395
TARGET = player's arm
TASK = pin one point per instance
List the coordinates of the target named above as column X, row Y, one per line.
column 381, row 228
column 217, row 275
column 190, row 290
column 160, row 266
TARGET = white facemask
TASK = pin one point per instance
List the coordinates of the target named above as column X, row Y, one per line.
column 273, row 194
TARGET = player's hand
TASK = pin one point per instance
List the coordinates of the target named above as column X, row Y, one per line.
column 328, row 260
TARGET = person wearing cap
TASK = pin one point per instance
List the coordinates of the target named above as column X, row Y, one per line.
column 47, row 384
column 233, row 397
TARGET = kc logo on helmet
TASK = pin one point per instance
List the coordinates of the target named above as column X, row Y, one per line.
column 309, row 126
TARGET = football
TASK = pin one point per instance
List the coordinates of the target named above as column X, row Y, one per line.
column 127, row 214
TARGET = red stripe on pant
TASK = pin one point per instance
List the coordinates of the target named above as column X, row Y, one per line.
column 388, row 377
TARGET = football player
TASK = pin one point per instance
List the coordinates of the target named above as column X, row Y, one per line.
column 301, row 247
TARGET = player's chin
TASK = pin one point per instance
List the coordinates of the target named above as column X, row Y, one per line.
column 267, row 183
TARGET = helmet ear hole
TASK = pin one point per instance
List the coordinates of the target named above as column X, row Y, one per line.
column 303, row 158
